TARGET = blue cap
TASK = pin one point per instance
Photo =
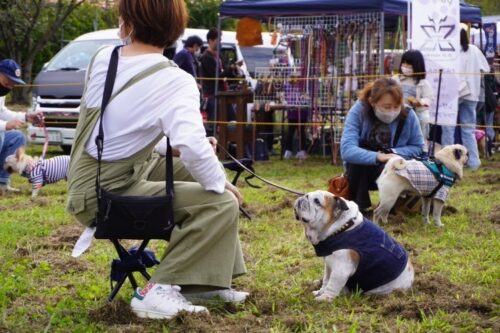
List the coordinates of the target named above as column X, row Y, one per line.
column 10, row 69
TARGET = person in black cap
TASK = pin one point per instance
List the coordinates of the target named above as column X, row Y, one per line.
column 185, row 58
column 10, row 122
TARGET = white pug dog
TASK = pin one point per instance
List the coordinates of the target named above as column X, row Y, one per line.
column 400, row 175
column 38, row 171
column 358, row 254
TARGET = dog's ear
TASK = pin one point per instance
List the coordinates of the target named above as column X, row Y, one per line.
column 458, row 153
column 340, row 203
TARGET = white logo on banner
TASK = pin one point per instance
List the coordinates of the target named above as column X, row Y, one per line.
column 436, row 33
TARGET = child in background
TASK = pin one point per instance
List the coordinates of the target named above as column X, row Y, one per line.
column 416, row 89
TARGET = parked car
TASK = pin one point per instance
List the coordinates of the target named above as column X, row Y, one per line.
column 59, row 85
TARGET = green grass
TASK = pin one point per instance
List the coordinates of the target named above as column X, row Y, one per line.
column 457, row 272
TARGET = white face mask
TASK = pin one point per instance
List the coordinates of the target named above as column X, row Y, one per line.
column 386, row 116
column 127, row 40
column 407, row 70
column 197, row 53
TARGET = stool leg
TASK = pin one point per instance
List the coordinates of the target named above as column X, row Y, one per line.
column 117, row 287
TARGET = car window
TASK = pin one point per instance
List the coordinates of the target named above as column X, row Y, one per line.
column 76, row 55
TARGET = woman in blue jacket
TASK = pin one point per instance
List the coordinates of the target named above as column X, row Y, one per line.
column 377, row 127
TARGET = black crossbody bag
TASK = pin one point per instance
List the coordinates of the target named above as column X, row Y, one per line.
column 131, row 217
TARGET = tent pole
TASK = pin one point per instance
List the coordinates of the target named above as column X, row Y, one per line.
column 410, row 25
column 217, row 70
column 381, row 44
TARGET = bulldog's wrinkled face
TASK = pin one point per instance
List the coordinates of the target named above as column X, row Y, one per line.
column 17, row 162
column 317, row 211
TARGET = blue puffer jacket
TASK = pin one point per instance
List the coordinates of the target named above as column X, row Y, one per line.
column 357, row 127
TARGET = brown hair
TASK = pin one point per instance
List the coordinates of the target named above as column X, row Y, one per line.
column 154, row 22
column 373, row 92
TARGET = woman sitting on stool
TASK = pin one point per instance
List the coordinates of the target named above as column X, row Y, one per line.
column 377, row 127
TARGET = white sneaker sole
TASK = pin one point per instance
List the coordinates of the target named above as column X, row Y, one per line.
column 160, row 315
column 152, row 314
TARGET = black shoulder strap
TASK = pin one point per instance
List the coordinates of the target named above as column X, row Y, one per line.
column 99, row 140
column 399, row 129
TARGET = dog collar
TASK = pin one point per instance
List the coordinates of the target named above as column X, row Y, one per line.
column 343, row 228
column 323, row 248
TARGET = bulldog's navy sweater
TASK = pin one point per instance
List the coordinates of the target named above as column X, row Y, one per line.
column 381, row 258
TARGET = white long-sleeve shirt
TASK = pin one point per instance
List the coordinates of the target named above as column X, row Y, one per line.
column 167, row 101
column 472, row 62
column 6, row 115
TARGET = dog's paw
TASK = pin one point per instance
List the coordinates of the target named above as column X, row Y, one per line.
column 317, row 293
column 324, row 297
column 439, row 224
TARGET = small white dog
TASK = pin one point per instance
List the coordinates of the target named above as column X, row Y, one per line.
column 38, row 171
column 421, row 177
column 358, row 254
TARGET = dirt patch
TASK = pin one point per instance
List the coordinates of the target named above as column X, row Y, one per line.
column 449, row 210
column 483, row 190
column 62, row 239
column 398, row 218
column 116, row 313
column 490, row 179
column 27, row 205
column 66, row 234
column 494, row 216
column 59, row 262
column 491, row 165
column 286, row 203
column 430, row 294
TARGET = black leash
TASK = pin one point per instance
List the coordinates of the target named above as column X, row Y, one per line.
column 257, row 176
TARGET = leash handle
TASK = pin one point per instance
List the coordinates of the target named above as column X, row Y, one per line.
column 259, row 177
column 46, row 141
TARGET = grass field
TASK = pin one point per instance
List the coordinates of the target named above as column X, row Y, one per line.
column 43, row 289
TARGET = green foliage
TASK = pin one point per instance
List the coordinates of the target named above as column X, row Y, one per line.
column 488, row 7
column 204, row 14
column 31, row 32
column 86, row 18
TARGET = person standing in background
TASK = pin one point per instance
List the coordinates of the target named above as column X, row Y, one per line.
column 185, row 58
column 417, row 90
column 472, row 63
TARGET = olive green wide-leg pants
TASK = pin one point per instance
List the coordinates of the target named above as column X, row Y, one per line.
column 204, row 248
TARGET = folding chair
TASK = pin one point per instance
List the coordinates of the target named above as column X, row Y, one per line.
column 132, row 260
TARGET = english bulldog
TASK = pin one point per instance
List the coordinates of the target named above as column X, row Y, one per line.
column 38, row 171
column 357, row 253
column 428, row 179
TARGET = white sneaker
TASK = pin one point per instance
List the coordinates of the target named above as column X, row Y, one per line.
column 301, row 155
column 4, row 188
column 287, row 154
column 161, row 301
column 227, row 295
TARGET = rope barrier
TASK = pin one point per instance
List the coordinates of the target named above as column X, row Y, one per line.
column 279, row 79
column 339, row 125
column 323, row 124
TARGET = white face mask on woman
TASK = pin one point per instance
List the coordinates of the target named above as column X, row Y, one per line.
column 386, row 116
column 407, row 70
column 127, row 40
